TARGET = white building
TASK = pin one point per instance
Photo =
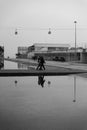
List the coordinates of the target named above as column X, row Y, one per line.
column 47, row 47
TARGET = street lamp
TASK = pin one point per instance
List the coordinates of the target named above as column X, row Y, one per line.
column 75, row 40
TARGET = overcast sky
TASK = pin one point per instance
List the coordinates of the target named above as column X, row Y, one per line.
column 33, row 18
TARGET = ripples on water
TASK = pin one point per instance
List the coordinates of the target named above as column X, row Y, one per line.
column 60, row 104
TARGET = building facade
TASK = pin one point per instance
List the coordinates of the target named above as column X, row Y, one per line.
column 58, row 52
column 46, row 49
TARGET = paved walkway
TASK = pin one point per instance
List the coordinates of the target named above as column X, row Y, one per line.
column 76, row 66
column 52, row 68
column 68, row 65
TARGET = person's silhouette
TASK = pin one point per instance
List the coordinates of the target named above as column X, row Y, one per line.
column 41, row 62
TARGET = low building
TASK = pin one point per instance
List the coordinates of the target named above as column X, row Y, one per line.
column 58, row 52
column 78, row 49
column 46, row 48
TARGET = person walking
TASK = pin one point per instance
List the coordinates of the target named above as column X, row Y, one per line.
column 41, row 62
column 38, row 66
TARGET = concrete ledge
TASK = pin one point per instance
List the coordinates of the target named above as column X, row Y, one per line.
column 4, row 73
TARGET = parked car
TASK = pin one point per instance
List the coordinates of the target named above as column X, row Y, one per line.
column 62, row 59
column 56, row 58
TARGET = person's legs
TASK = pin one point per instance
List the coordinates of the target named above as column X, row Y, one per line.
column 38, row 67
column 43, row 66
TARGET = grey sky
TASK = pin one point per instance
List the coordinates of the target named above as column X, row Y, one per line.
column 31, row 17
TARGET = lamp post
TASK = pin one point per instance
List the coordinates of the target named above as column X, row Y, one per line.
column 75, row 40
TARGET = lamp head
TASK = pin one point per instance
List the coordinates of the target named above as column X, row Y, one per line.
column 75, row 21
column 16, row 32
column 49, row 32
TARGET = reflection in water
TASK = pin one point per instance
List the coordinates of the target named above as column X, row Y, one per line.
column 26, row 66
column 41, row 80
column 31, row 107
column 49, row 83
column 15, row 82
column 74, row 100
column 22, row 66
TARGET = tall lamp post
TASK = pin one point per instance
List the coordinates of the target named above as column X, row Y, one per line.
column 75, row 40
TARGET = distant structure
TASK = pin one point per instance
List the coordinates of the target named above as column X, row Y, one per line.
column 57, row 52
column 1, row 57
column 22, row 52
column 45, row 49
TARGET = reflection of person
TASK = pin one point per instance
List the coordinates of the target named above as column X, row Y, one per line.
column 41, row 80
column 41, row 62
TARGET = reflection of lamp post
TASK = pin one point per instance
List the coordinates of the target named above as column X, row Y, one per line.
column 74, row 100
column 75, row 40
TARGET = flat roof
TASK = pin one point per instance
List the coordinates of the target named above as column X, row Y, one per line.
column 51, row 45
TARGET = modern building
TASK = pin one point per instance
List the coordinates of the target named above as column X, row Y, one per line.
column 47, row 47
column 78, row 49
column 59, row 52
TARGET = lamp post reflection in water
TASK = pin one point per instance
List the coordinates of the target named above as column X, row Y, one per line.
column 74, row 100
column 15, row 83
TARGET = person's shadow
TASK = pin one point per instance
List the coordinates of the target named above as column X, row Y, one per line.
column 41, row 80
